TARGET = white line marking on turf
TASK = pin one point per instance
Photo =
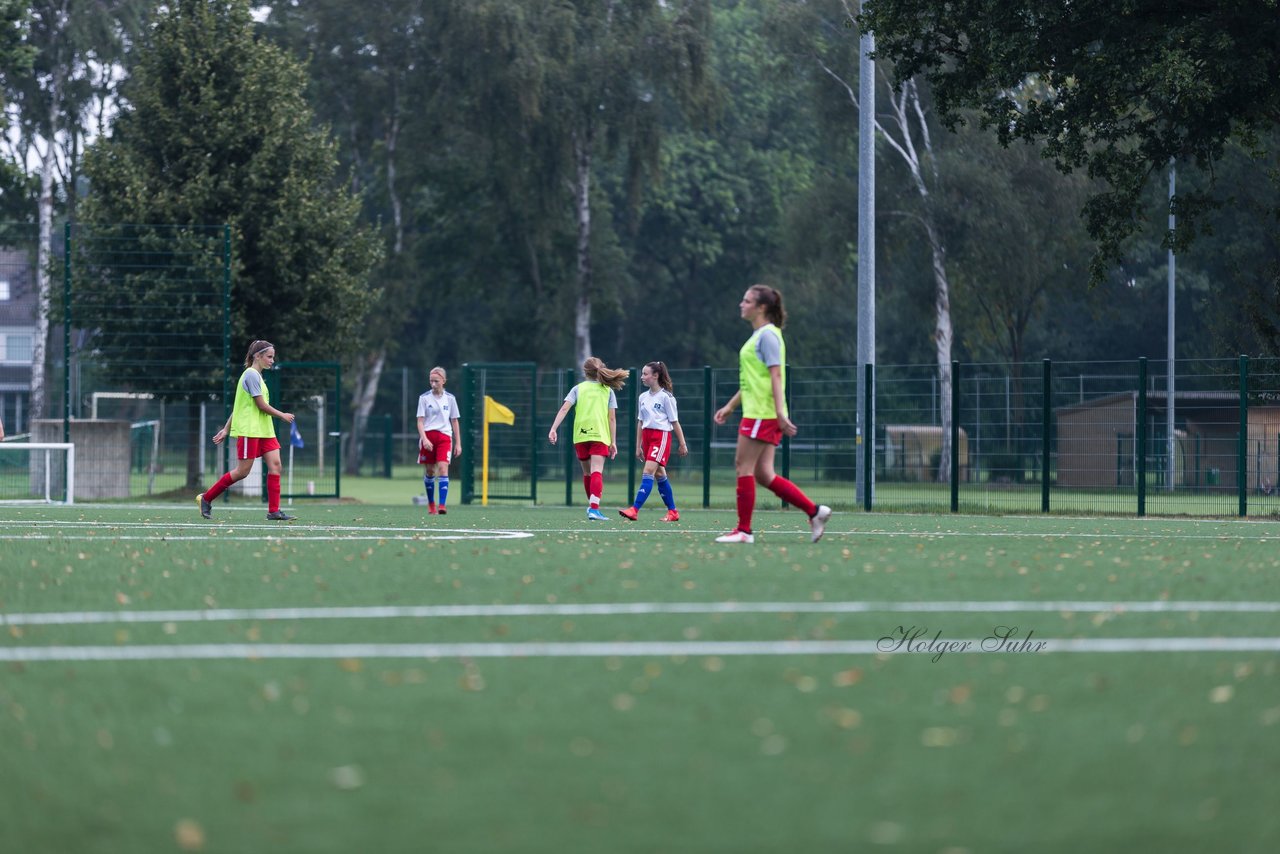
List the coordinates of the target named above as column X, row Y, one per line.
column 235, row 532
column 393, row 612
column 224, row 528
column 610, row 649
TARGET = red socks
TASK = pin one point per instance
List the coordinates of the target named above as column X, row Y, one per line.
column 781, row 487
column 595, row 489
column 218, row 488
column 790, row 493
column 273, row 490
column 273, row 493
column 746, row 502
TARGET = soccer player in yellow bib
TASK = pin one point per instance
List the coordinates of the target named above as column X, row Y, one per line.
column 762, row 379
column 250, row 425
column 595, row 426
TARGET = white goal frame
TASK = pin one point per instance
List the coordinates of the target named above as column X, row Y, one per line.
column 47, row 447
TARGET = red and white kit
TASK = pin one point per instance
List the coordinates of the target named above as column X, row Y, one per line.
column 657, row 413
column 438, row 414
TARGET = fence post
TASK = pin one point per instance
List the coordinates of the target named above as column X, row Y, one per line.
column 566, row 429
column 1242, row 457
column 629, row 430
column 786, row 440
column 66, row 343
column 707, row 426
column 1046, row 421
column 533, row 432
column 336, row 433
column 1140, row 438
column 388, row 426
column 955, row 437
column 466, row 403
column 868, row 436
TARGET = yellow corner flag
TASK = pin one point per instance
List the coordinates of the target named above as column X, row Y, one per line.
column 495, row 413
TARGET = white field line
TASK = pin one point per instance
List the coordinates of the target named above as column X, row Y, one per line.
column 222, row 528
column 236, row 532
column 251, row 652
column 605, row 609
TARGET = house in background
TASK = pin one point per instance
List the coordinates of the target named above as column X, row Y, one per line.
column 17, row 337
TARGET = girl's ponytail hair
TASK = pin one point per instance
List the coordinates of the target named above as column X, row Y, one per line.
column 659, row 370
column 596, row 371
column 254, row 349
column 771, row 299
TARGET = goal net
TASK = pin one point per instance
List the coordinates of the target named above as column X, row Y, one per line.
column 37, row 473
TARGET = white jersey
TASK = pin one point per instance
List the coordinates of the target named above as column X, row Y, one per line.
column 437, row 412
column 658, row 411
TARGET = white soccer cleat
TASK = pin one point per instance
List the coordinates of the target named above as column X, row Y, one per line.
column 818, row 522
column 736, row 537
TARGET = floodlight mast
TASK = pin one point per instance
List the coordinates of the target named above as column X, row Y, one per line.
column 1171, row 460
column 865, row 482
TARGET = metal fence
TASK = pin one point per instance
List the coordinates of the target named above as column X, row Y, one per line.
column 1069, row 437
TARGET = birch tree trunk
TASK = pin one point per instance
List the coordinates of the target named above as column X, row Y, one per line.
column 367, row 374
column 911, row 124
column 582, row 197
column 40, row 346
column 369, row 371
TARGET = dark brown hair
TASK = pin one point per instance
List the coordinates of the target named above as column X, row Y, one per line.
column 771, row 299
column 660, row 371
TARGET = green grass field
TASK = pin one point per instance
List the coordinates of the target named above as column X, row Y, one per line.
column 371, row 679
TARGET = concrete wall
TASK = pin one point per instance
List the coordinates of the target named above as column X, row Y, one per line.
column 102, row 456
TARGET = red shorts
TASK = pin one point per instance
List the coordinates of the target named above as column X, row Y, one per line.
column 763, row 429
column 441, row 449
column 587, row 450
column 252, row 447
column 657, row 445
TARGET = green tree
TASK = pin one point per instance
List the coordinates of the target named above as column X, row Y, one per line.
column 16, row 56
column 1119, row 88
column 374, row 78
column 216, row 130
column 76, row 43
column 561, row 83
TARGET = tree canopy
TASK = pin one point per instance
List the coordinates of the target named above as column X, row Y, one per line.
column 1119, row 87
column 215, row 129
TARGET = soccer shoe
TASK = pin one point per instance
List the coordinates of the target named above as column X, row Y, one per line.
column 280, row 516
column 594, row 515
column 440, row 511
column 672, row 516
column 736, row 536
column 818, row 522
column 629, row 513
column 431, row 510
column 206, row 508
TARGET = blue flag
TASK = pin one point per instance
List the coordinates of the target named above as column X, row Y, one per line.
column 295, row 438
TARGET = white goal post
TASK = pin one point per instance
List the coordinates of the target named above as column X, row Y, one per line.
column 37, row 473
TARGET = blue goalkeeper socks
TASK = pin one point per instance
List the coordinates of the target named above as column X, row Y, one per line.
column 430, row 484
column 444, row 489
column 642, row 494
column 668, row 497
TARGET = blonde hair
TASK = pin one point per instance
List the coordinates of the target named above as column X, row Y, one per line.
column 598, row 372
column 255, row 348
column 444, row 375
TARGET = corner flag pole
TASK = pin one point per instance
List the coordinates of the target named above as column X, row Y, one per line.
column 499, row 414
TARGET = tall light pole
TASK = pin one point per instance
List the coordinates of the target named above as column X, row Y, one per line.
column 865, row 486
column 1170, row 462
